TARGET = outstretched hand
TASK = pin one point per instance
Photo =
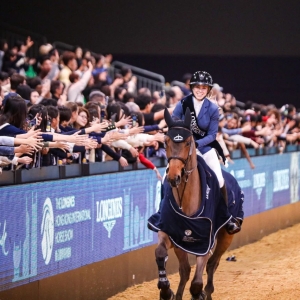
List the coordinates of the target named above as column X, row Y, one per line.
column 22, row 149
column 124, row 121
column 160, row 137
column 64, row 146
column 34, row 142
column 79, row 140
column 119, row 135
column 108, row 138
column 136, row 130
column 25, row 160
column 90, row 143
column 99, row 126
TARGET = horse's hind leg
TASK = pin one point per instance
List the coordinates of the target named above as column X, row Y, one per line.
column 184, row 271
column 161, row 254
column 196, row 288
column 223, row 242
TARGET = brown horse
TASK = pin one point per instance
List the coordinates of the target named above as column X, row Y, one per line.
column 184, row 179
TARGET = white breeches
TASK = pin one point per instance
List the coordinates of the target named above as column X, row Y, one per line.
column 211, row 159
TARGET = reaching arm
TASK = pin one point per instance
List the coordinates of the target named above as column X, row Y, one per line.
column 160, row 114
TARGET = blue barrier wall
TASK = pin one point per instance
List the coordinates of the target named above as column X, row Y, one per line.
column 51, row 227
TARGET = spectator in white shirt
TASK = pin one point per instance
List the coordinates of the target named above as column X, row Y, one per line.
column 78, row 85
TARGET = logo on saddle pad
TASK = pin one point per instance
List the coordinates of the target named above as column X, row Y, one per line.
column 188, row 238
column 188, row 232
column 178, row 138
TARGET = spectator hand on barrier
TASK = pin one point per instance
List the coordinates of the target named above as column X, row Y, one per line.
column 123, row 161
column 134, row 152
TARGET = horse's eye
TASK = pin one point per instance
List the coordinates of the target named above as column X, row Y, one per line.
column 188, row 143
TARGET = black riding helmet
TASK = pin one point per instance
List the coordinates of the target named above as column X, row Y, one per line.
column 202, row 78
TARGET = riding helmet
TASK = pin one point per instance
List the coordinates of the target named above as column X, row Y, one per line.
column 201, row 77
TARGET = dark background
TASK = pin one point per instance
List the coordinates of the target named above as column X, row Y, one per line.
column 251, row 48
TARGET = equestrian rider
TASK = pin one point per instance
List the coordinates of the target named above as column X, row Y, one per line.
column 204, row 125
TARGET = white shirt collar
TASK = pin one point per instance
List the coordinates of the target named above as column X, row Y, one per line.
column 197, row 105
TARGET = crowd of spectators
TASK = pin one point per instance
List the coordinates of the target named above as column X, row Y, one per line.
column 63, row 107
column 254, row 125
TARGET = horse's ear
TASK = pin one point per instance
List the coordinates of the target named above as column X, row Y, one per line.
column 187, row 118
column 168, row 118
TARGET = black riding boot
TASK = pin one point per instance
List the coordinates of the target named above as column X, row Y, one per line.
column 233, row 226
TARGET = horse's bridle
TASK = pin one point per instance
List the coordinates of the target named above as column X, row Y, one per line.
column 185, row 161
column 184, row 171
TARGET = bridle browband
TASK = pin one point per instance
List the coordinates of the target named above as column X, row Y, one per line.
column 184, row 171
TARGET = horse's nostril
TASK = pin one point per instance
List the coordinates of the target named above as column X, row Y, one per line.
column 174, row 180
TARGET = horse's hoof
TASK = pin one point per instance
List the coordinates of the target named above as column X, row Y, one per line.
column 201, row 297
column 172, row 297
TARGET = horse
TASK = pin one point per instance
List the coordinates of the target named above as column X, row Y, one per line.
column 186, row 188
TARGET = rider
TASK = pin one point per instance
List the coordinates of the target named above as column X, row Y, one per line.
column 204, row 125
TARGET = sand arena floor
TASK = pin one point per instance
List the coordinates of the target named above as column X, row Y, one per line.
column 266, row 270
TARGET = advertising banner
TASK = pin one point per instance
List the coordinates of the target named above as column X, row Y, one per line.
column 51, row 227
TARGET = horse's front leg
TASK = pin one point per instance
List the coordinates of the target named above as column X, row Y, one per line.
column 223, row 242
column 184, row 271
column 161, row 254
column 196, row 288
